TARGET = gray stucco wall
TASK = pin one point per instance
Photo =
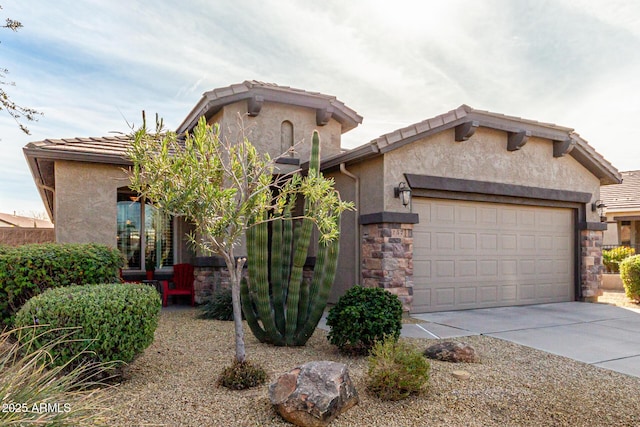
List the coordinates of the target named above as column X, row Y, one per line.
column 347, row 273
column 85, row 202
column 484, row 157
column 264, row 130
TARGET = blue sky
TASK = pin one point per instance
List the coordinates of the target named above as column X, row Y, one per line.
column 92, row 66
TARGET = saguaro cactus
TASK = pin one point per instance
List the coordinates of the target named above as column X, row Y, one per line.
column 281, row 307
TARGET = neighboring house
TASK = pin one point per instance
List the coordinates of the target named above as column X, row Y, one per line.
column 467, row 209
column 622, row 210
column 18, row 230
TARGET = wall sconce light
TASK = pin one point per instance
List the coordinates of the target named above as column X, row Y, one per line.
column 598, row 206
column 403, row 192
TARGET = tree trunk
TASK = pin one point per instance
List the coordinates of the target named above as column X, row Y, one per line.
column 235, row 276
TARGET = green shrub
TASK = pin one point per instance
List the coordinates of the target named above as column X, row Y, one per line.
column 611, row 258
column 363, row 316
column 117, row 320
column 218, row 307
column 242, row 375
column 396, row 370
column 26, row 271
column 630, row 274
column 28, row 381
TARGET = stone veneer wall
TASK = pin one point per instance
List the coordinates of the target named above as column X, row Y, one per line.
column 387, row 259
column 16, row 236
column 211, row 278
column 591, row 264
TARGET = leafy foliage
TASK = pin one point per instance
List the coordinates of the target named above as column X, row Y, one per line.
column 28, row 380
column 117, row 321
column 363, row 316
column 281, row 307
column 242, row 375
column 26, row 271
column 219, row 306
column 224, row 187
column 396, row 370
column 611, row 258
column 630, row 274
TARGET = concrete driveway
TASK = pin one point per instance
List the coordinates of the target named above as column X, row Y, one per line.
column 599, row 334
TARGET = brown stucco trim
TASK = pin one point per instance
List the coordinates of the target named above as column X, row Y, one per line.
column 627, row 218
column 288, row 161
column 594, row 226
column 389, row 218
column 427, row 182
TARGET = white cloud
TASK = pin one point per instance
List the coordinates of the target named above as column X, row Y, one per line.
column 90, row 65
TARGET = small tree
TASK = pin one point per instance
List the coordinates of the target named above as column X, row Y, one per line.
column 6, row 103
column 224, row 188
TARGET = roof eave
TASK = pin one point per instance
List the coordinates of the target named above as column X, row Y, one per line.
column 38, row 179
column 43, row 153
column 211, row 102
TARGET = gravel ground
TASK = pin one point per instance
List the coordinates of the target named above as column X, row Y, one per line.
column 173, row 383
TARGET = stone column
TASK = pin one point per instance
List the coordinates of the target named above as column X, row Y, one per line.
column 591, row 264
column 387, row 259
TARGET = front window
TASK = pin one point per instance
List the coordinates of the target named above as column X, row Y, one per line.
column 144, row 233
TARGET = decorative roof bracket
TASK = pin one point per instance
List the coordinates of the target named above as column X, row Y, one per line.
column 323, row 115
column 466, row 130
column 254, row 105
column 560, row 148
column 517, row 140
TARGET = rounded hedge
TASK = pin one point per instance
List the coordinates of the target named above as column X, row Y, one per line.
column 363, row 316
column 115, row 321
column 28, row 270
column 630, row 274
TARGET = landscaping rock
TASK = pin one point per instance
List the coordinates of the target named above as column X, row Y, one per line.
column 461, row 375
column 449, row 351
column 313, row 394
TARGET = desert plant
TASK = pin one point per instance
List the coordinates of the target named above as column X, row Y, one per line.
column 224, row 187
column 219, row 306
column 28, row 270
column 280, row 306
column 396, row 370
column 611, row 258
column 36, row 392
column 117, row 321
column 630, row 274
column 363, row 316
column 242, row 375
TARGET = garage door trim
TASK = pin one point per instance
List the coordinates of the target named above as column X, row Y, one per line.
column 457, row 185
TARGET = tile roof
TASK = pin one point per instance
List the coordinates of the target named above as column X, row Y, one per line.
column 213, row 100
column 105, row 149
column 9, row 220
column 625, row 196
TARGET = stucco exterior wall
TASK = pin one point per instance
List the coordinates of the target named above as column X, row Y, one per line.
column 371, row 175
column 85, row 202
column 348, row 272
column 263, row 130
column 484, row 157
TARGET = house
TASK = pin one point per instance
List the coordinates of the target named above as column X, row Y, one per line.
column 19, row 230
column 622, row 211
column 464, row 210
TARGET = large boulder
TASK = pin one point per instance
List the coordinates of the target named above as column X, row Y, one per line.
column 450, row 351
column 313, row 394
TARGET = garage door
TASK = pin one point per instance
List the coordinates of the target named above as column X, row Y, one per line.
column 477, row 254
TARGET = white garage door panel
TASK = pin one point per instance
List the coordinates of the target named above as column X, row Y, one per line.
column 476, row 254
